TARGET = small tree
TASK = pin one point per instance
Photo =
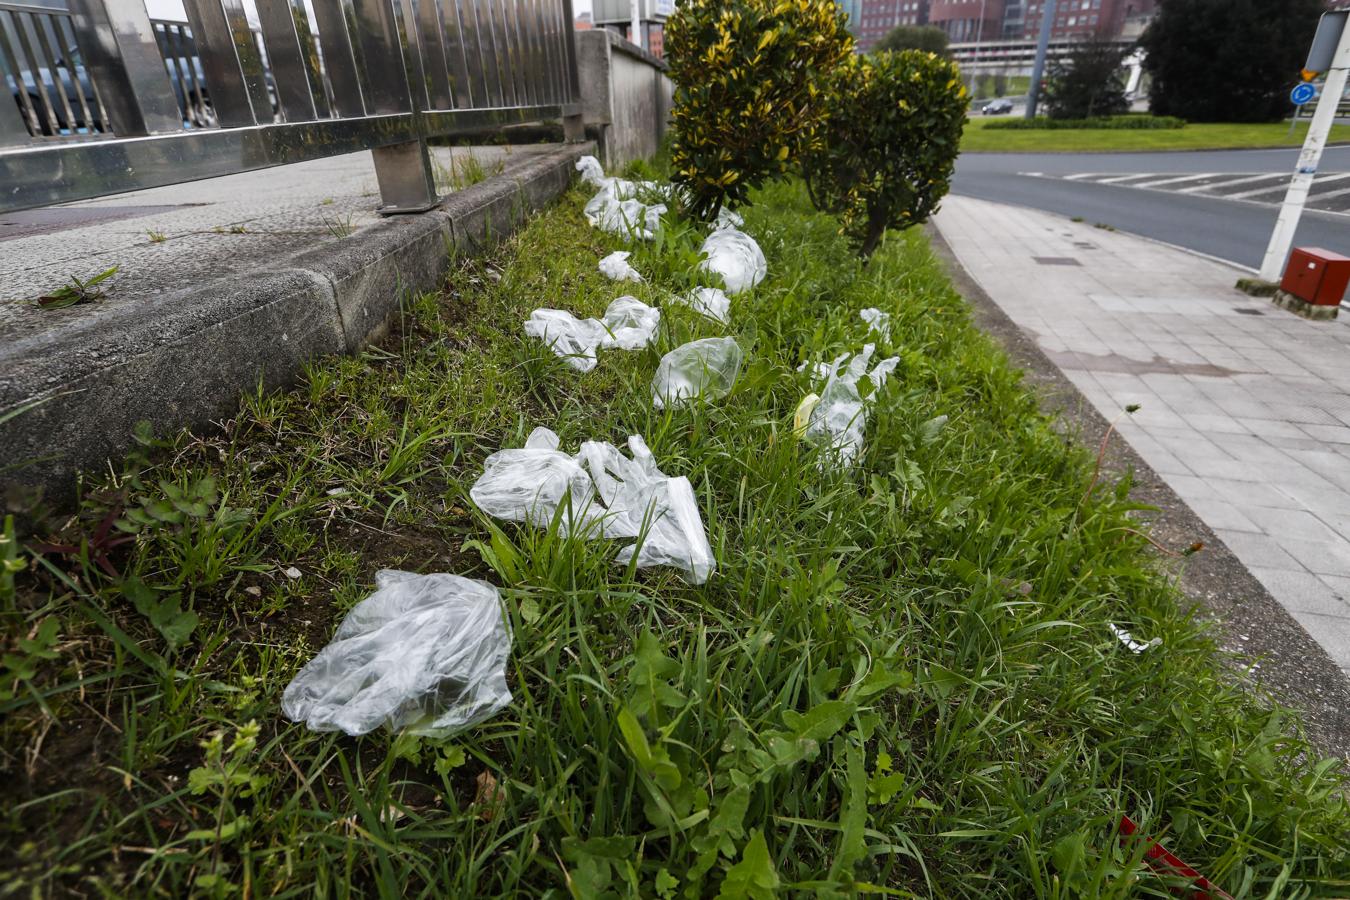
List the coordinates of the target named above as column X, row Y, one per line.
column 1227, row 60
column 888, row 147
column 928, row 38
column 746, row 78
column 1089, row 82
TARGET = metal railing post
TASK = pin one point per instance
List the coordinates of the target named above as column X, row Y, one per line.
column 404, row 172
column 574, row 126
column 123, row 61
column 230, row 61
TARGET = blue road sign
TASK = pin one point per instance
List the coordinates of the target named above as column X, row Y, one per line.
column 1302, row 93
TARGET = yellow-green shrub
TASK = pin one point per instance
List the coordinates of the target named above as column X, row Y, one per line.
column 746, row 78
column 888, row 143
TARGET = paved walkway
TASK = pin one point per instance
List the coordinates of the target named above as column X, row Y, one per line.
column 1244, row 408
column 165, row 239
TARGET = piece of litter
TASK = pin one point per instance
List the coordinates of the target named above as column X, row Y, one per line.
column 628, row 324
column 1128, row 639
column 530, row 484
column 292, row 572
column 616, row 208
column 426, row 653
column 253, row 590
column 337, row 492
column 877, row 321
column 838, row 421
column 735, row 257
column 802, row 417
column 710, row 301
column 727, row 218
column 616, row 267
column 616, row 496
column 705, row 369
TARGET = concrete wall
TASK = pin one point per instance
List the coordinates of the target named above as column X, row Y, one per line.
column 626, row 96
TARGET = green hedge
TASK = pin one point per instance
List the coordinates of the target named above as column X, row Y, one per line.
column 1104, row 122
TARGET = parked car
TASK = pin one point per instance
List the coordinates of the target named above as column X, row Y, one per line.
column 998, row 107
column 194, row 101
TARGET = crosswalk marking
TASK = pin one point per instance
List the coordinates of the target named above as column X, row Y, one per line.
column 1245, row 179
column 1174, row 180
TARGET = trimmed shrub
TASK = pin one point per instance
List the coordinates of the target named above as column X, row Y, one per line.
column 1113, row 123
column 889, row 142
column 746, row 90
column 1089, row 82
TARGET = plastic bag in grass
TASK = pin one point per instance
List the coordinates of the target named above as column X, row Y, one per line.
column 628, row 324
column 616, row 207
column 877, row 321
column 530, row 484
column 734, row 256
column 838, row 420
column 638, row 500
column 705, row 369
column 709, row 301
column 426, row 653
column 617, row 268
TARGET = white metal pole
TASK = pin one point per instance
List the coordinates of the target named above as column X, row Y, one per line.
column 634, row 7
column 1282, row 238
column 1042, row 47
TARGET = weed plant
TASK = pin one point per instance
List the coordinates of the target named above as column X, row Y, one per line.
column 900, row 676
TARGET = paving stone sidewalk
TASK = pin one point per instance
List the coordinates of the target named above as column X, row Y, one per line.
column 1244, row 408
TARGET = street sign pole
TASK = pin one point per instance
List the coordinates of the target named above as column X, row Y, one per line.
column 1282, row 238
column 1042, row 47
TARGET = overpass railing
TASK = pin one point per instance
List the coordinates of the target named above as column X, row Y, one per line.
column 104, row 99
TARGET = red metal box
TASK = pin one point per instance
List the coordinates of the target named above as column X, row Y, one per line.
column 1316, row 275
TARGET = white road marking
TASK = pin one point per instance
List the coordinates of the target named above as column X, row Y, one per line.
column 1245, row 179
column 1178, row 180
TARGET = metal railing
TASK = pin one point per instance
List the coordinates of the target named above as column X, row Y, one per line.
column 106, row 100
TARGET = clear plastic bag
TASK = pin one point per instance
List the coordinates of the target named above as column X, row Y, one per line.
column 530, row 484
column 734, row 255
column 878, row 322
column 838, row 420
column 705, row 369
column 624, row 497
column 617, row 268
column 426, row 653
column 709, row 301
column 628, row 324
column 617, row 207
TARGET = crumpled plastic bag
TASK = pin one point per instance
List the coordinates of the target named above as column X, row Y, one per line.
column 734, row 255
column 617, row 268
column 877, row 321
column 705, row 369
column 726, row 218
column 617, row 207
column 530, row 484
column 622, row 496
column 424, row 652
column 709, row 301
column 838, row 420
column 628, row 324
column 1130, row 643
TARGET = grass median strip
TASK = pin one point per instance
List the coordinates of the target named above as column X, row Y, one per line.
column 904, row 675
column 979, row 138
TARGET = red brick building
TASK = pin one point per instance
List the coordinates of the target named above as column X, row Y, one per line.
column 870, row 19
column 968, row 20
column 1085, row 18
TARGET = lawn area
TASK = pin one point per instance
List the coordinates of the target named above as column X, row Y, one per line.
column 979, row 138
column 902, row 676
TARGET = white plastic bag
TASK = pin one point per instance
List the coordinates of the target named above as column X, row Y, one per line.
column 877, row 321
column 726, row 218
column 624, row 495
column 838, row 420
column 574, row 340
column 1130, row 643
column 616, row 267
column 617, row 207
column 628, row 324
column 734, row 256
column 424, row 652
column 591, row 171
column 705, row 369
column 530, row 484
column 709, row 301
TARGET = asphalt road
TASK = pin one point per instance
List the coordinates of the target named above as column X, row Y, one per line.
column 1234, row 230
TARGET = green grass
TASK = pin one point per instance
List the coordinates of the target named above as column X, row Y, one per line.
column 1195, row 136
column 901, row 676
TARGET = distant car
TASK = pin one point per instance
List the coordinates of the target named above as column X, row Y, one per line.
column 998, row 107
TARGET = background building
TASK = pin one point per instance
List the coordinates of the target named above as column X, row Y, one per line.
column 968, row 20
column 870, row 19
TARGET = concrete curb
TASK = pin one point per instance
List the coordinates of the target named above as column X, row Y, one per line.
column 185, row 358
column 1249, row 622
